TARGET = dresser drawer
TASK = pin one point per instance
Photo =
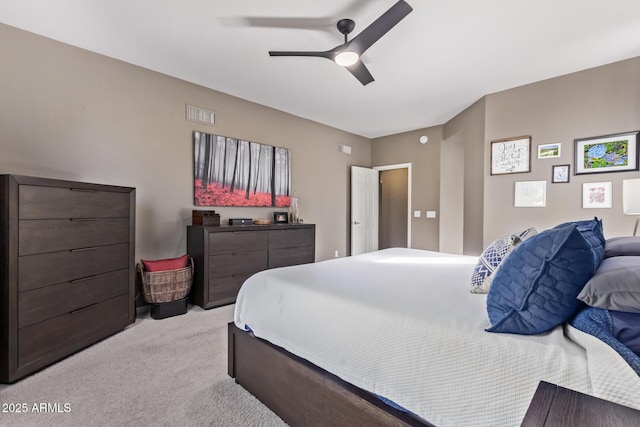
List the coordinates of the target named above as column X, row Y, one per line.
column 51, row 235
column 238, row 263
column 291, row 238
column 237, row 241
column 224, row 290
column 290, row 256
column 35, row 306
column 64, row 334
column 38, row 202
column 36, row 271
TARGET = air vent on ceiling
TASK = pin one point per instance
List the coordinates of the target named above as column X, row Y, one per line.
column 200, row 115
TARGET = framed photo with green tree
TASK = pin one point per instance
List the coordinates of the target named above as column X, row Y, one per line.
column 608, row 153
column 548, row 151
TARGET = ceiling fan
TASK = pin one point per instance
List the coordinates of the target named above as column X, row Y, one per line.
column 348, row 54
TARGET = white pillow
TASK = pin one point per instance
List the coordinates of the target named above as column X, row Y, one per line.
column 492, row 257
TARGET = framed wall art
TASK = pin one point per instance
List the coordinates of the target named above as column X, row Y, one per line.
column 609, row 153
column 511, row 155
column 549, row 151
column 234, row 172
column 596, row 195
column 560, row 173
column 530, row 194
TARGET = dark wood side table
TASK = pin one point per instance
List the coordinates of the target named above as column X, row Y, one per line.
column 557, row 406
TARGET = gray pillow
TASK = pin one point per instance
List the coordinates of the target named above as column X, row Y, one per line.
column 615, row 286
column 622, row 246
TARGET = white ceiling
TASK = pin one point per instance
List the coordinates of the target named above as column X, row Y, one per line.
column 441, row 58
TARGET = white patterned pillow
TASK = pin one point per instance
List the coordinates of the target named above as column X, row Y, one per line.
column 526, row 233
column 492, row 257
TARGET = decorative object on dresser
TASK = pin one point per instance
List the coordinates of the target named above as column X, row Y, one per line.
column 240, row 221
column 226, row 256
column 206, row 218
column 294, row 211
column 67, row 257
column 280, row 217
column 166, row 284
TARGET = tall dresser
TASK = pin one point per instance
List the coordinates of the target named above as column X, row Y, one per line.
column 225, row 256
column 66, row 269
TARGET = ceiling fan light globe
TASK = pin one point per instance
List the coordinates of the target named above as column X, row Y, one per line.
column 347, row 58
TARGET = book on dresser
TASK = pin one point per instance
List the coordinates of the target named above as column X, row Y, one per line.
column 67, row 269
column 225, row 256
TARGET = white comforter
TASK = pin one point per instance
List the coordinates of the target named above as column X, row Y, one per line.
column 402, row 323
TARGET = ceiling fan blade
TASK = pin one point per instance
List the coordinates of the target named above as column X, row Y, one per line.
column 328, row 55
column 298, row 23
column 380, row 27
column 360, row 71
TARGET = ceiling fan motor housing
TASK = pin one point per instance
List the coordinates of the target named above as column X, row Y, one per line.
column 345, row 26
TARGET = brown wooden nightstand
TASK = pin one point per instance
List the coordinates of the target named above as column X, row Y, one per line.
column 557, row 406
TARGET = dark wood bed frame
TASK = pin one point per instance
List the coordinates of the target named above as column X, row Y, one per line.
column 301, row 393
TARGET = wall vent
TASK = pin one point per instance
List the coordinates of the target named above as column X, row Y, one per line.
column 345, row 149
column 200, row 115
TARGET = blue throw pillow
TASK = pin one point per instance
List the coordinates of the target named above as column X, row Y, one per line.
column 626, row 328
column 610, row 327
column 591, row 230
column 535, row 288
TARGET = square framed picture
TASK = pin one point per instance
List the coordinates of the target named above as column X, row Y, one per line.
column 596, row 195
column 609, row 153
column 549, row 151
column 281, row 217
column 560, row 173
column 530, row 194
column 511, row 155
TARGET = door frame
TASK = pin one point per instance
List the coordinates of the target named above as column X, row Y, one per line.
column 408, row 167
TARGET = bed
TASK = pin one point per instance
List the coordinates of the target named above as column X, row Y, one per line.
column 395, row 337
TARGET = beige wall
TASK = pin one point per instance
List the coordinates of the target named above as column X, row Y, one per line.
column 600, row 101
column 461, row 186
column 71, row 114
column 425, row 180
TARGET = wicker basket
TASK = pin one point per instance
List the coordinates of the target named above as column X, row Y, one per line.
column 166, row 286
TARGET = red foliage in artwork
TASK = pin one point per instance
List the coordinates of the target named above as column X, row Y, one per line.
column 215, row 195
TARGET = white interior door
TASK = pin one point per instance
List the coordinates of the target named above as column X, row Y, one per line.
column 364, row 210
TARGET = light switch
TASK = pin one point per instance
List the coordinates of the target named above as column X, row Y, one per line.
column 416, row 214
column 431, row 214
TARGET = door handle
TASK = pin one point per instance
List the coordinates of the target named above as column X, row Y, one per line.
column 355, row 223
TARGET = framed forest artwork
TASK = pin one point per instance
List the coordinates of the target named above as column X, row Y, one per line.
column 234, row 172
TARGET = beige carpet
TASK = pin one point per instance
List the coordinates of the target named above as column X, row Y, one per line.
column 168, row 372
